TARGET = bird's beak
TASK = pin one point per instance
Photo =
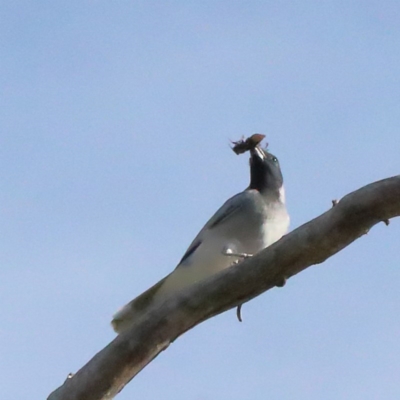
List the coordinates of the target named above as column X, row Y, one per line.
column 257, row 152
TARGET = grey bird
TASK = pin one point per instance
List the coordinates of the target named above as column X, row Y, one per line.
column 245, row 224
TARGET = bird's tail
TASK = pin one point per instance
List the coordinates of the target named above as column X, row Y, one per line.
column 125, row 317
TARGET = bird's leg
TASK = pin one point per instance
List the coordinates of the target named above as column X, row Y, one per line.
column 243, row 256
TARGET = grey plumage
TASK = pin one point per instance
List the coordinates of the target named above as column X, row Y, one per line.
column 246, row 223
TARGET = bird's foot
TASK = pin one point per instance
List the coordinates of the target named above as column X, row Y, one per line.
column 229, row 252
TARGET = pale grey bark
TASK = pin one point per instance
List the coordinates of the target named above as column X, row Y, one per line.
column 312, row 243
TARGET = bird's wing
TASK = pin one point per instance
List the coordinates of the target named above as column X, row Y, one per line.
column 230, row 208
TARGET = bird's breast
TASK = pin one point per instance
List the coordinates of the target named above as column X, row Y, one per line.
column 275, row 225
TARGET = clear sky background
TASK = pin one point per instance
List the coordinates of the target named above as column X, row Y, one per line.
column 115, row 120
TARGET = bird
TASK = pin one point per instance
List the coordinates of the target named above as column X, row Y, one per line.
column 244, row 225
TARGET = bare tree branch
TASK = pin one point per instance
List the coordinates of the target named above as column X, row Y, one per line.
column 312, row 243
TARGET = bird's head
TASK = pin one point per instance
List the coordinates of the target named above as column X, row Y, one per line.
column 265, row 172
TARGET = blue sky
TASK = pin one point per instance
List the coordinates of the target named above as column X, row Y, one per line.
column 115, row 124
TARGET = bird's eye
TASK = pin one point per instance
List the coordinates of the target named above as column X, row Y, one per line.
column 275, row 160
